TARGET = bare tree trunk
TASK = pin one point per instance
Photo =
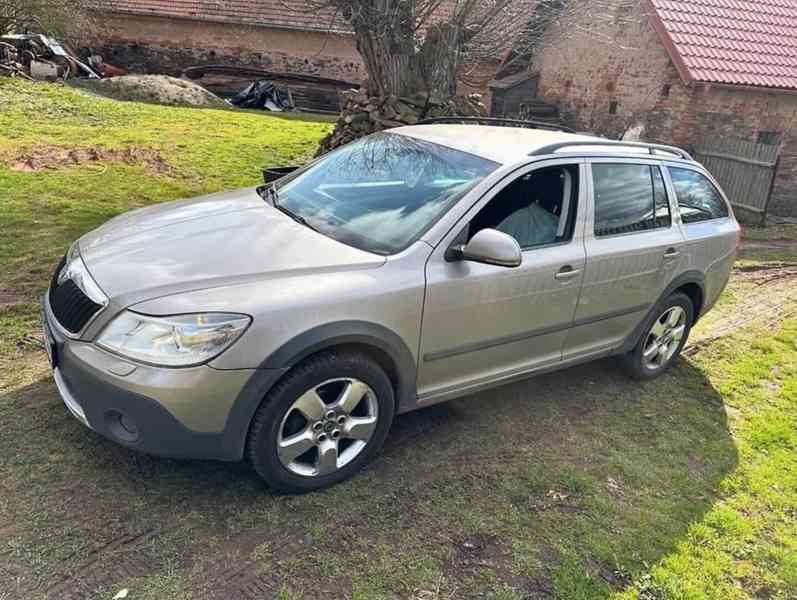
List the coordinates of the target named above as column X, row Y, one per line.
column 384, row 30
column 439, row 60
column 386, row 39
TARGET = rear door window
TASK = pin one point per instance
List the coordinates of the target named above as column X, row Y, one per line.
column 698, row 199
column 629, row 198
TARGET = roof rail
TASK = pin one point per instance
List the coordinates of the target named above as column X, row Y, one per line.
column 651, row 148
column 528, row 124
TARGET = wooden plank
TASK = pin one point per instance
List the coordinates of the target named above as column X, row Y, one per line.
column 739, row 159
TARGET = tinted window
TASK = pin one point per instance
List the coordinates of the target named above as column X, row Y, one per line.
column 382, row 192
column 536, row 209
column 629, row 198
column 698, row 199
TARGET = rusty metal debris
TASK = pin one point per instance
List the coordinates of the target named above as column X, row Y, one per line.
column 37, row 56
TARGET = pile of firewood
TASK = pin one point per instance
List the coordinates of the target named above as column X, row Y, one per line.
column 363, row 114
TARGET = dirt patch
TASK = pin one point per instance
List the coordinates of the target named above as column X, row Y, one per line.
column 10, row 298
column 50, row 158
column 766, row 273
column 770, row 245
column 157, row 89
column 767, row 298
column 130, row 559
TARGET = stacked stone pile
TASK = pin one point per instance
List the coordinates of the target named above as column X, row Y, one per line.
column 363, row 114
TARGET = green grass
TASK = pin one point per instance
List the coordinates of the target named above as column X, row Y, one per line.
column 785, row 231
column 203, row 151
column 579, row 485
column 746, row 544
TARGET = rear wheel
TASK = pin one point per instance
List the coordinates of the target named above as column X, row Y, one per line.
column 664, row 338
column 322, row 423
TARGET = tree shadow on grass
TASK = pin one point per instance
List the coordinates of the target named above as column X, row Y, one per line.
column 506, row 487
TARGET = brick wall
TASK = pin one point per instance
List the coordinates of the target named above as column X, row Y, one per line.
column 612, row 78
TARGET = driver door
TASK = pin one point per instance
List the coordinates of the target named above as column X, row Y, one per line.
column 483, row 324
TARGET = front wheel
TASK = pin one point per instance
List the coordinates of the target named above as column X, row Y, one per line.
column 664, row 338
column 322, row 423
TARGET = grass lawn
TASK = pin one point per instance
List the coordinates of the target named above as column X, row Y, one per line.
column 162, row 153
column 578, row 485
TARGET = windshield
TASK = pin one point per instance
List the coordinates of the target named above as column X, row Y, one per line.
column 381, row 193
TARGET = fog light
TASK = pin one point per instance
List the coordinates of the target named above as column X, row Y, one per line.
column 121, row 426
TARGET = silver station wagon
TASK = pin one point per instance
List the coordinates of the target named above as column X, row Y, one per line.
column 288, row 325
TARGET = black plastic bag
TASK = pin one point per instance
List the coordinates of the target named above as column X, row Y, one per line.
column 262, row 94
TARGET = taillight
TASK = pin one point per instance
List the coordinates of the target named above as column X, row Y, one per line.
column 738, row 236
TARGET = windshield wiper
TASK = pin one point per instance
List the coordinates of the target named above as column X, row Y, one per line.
column 298, row 218
column 273, row 195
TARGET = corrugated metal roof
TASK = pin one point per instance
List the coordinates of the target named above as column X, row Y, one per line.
column 736, row 42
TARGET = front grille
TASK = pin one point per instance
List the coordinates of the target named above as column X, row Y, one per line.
column 70, row 306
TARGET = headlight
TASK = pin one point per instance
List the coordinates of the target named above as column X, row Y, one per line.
column 180, row 341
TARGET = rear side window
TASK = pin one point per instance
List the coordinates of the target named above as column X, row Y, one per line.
column 629, row 198
column 698, row 199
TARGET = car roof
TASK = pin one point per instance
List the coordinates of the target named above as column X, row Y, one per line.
column 505, row 145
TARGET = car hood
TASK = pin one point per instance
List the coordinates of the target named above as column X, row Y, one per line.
column 216, row 240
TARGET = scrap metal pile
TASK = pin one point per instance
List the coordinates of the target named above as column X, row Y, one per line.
column 37, row 56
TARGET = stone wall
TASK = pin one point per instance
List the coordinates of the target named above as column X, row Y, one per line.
column 621, row 77
column 157, row 45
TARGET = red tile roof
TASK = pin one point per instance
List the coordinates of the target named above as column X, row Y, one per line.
column 737, row 42
column 289, row 14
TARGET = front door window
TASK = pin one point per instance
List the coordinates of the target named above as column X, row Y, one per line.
column 537, row 209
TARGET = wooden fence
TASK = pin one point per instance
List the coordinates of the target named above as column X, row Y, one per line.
column 745, row 170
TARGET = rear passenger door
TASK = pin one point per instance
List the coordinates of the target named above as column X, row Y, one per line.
column 633, row 248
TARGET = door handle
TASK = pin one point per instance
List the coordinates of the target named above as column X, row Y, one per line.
column 671, row 254
column 567, row 273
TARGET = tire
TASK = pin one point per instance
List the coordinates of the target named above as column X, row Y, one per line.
column 638, row 363
column 290, row 419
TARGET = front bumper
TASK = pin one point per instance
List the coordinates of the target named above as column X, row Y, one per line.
column 197, row 412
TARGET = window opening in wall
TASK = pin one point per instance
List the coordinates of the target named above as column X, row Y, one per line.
column 770, row 138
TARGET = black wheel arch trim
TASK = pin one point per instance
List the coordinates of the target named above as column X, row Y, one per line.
column 689, row 277
column 362, row 333
column 313, row 341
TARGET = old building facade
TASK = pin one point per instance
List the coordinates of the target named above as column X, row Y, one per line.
column 276, row 35
column 683, row 72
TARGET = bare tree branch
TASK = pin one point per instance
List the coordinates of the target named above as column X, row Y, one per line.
column 411, row 46
column 65, row 19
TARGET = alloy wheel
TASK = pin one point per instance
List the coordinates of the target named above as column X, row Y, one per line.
column 664, row 338
column 327, row 427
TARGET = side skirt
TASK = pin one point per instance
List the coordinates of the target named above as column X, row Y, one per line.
column 446, row 394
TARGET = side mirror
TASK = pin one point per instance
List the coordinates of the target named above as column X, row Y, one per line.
column 491, row 247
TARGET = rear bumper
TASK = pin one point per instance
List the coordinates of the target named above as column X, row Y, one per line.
column 197, row 412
